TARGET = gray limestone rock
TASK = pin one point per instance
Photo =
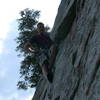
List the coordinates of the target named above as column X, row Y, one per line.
column 77, row 72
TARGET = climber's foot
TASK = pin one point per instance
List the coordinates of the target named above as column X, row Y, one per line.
column 50, row 77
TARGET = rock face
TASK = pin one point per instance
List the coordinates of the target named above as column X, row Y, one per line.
column 77, row 65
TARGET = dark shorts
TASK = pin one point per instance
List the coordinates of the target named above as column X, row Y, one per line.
column 44, row 56
column 42, row 59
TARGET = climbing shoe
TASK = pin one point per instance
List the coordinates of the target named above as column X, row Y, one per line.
column 50, row 77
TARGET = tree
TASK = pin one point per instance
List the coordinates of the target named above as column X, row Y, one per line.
column 29, row 69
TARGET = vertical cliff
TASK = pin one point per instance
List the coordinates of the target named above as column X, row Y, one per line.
column 77, row 72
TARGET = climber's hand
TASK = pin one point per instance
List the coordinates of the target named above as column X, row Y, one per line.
column 33, row 51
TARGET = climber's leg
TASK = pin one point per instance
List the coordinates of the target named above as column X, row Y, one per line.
column 53, row 55
column 46, row 71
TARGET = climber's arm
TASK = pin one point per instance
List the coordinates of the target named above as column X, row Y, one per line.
column 26, row 46
column 28, row 49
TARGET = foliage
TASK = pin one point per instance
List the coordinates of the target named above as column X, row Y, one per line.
column 30, row 72
column 27, row 27
column 29, row 69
